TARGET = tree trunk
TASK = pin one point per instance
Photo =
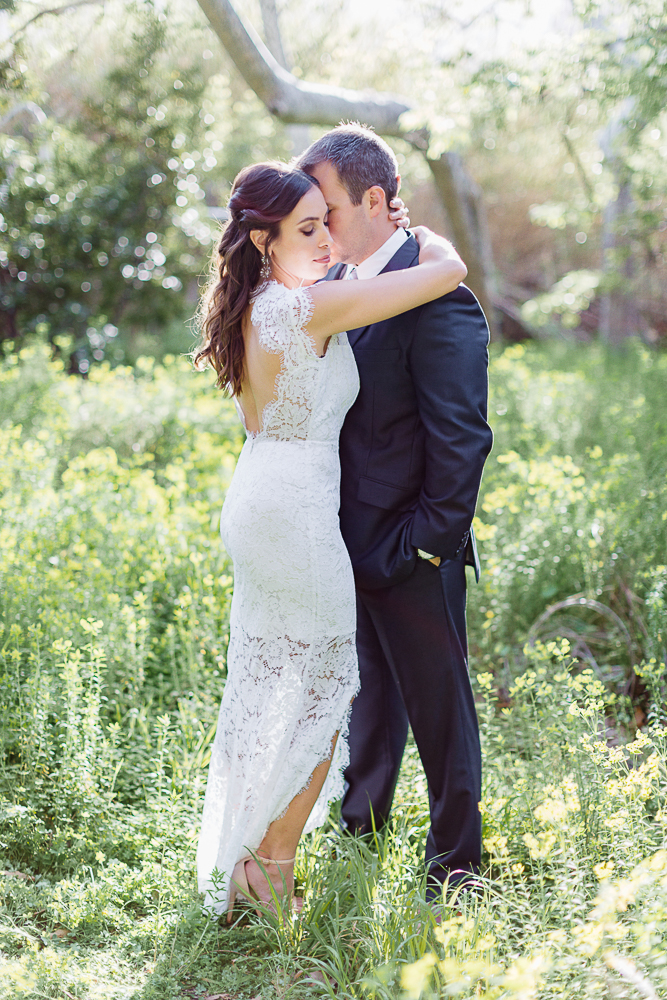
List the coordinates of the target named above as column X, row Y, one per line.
column 8, row 325
column 619, row 315
column 464, row 204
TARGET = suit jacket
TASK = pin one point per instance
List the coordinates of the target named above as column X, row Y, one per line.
column 413, row 445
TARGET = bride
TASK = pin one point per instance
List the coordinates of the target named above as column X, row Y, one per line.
column 275, row 339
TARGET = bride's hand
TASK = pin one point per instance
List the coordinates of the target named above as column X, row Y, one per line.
column 433, row 248
column 400, row 214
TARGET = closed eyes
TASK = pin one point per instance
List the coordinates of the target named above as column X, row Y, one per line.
column 309, row 232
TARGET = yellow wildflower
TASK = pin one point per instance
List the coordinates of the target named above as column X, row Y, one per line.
column 524, row 977
column 603, row 870
column 539, row 847
column 415, row 976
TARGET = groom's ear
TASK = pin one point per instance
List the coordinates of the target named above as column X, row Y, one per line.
column 377, row 201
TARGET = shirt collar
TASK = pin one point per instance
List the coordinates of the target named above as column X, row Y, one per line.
column 373, row 265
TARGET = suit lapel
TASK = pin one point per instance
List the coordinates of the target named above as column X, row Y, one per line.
column 406, row 255
column 335, row 272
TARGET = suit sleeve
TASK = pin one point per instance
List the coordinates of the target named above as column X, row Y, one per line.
column 449, row 363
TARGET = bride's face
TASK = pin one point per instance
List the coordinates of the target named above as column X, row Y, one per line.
column 302, row 251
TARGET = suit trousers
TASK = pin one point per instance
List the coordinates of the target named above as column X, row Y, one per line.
column 412, row 646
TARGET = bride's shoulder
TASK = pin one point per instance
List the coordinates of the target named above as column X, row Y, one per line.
column 280, row 312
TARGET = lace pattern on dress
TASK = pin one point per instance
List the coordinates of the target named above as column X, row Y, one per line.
column 284, row 702
column 281, row 315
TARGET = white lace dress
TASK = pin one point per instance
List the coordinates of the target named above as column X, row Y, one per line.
column 292, row 665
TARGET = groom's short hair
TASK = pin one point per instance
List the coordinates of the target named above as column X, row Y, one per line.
column 361, row 158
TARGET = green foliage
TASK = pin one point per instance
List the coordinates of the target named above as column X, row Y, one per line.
column 567, row 299
column 631, row 39
column 574, row 503
column 117, row 159
column 553, row 123
column 102, row 220
column 114, row 597
column 574, row 825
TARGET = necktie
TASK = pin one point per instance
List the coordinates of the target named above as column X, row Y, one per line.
column 353, row 276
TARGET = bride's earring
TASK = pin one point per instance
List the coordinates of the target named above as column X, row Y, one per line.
column 265, row 270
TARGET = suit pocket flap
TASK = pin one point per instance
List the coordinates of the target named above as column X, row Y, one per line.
column 384, row 495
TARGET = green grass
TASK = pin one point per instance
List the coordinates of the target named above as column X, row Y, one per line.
column 114, row 597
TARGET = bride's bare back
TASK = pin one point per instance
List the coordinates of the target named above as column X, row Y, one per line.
column 261, row 371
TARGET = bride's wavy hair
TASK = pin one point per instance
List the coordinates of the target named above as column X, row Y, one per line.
column 262, row 196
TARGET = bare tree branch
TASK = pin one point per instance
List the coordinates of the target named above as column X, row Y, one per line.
column 272, row 32
column 576, row 159
column 291, row 99
column 299, row 135
column 28, row 110
column 51, row 10
column 436, row 11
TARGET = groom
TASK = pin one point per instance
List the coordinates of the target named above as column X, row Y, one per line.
column 412, row 451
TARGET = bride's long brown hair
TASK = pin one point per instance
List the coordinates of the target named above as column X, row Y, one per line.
column 262, row 196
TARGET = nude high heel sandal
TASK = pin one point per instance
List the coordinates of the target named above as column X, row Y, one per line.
column 239, row 883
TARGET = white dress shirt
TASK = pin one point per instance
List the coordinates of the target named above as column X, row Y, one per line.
column 373, row 265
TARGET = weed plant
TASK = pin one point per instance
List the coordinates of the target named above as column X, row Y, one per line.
column 114, row 597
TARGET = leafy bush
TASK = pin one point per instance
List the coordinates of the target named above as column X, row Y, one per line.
column 99, row 232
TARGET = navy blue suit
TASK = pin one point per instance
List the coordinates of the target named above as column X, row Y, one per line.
column 412, row 451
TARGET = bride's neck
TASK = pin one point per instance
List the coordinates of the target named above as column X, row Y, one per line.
column 284, row 277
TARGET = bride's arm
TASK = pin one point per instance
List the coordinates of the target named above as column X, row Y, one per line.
column 346, row 305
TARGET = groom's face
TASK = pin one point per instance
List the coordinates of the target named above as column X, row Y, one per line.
column 350, row 225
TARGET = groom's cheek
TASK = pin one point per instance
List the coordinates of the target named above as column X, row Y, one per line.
column 336, row 254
